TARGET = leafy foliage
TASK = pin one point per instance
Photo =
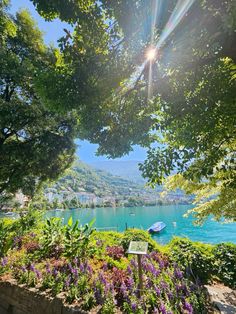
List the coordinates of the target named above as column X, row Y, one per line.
column 225, row 256
column 137, row 235
column 205, row 262
column 35, row 143
column 211, row 197
column 195, row 258
column 5, row 240
column 77, row 239
column 116, row 252
column 53, row 237
column 183, row 101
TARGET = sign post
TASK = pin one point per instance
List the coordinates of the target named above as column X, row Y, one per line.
column 139, row 248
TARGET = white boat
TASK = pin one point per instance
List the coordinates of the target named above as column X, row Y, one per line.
column 157, row 227
column 10, row 214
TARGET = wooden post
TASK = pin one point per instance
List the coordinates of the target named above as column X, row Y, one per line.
column 140, row 276
column 139, row 248
column 126, row 226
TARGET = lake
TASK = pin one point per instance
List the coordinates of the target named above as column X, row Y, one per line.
column 144, row 217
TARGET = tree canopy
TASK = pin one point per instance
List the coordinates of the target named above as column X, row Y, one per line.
column 184, row 99
column 35, row 143
column 180, row 104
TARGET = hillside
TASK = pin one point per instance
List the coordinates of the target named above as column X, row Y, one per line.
column 128, row 170
column 83, row 185
column 82, row 177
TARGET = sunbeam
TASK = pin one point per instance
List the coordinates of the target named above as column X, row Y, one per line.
column 176, row 17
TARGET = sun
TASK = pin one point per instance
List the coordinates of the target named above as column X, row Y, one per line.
column 151, row 54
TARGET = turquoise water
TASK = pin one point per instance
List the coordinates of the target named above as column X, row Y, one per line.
column 144, row 217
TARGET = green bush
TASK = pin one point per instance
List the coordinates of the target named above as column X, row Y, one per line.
column 77, row 239
column 5, row 237
column 28, row 220
column 225, row 263
column 53, row 237
column 196, row 258
column 138, row 235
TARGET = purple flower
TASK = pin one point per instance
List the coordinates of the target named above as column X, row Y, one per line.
column 149, row 283
column 67, row 282
column 70, row 267
column 4, row 261
column 129, row 270
column 170, row 295
column 130, row 283
column 81, row 268
column 154, row 256
column 188, row 307
column 163, row 285
column 161, row 264
column 75, row 272
column 98, row 295
column 37, row 273
column 23, row 268
column 123, row 288
column 158, row 291
column 134, row 307
column 182, row 288
column 55, row 272
column 48, row 270
column 102, row 279
column 178, row 273
column 177, row 288
column 162, row 309
column 89, row 269
column 105, row 266
column 134, row 263
column 32, row 268
column 108, row 287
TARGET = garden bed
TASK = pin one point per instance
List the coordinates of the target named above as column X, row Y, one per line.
column 73, row 269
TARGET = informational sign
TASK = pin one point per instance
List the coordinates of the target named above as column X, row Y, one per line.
column 138, row 247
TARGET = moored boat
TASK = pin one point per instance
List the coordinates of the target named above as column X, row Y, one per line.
column 10, row 214
column 157, row 227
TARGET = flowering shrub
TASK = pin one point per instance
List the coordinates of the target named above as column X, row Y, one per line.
column 116, row 252
column 32, row 246
column 165, row 290
column 108, row 281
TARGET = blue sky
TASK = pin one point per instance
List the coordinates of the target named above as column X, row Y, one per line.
column 52, row 31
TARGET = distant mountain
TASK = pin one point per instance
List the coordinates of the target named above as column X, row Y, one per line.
column 82, row 177
column 128, row 170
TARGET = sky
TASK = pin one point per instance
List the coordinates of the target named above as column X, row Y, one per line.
column 52, row 31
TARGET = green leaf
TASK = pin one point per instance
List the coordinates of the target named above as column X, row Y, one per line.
column 70, row 222
column 91, row 223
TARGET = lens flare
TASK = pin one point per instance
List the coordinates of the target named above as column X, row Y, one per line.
column 151, row 54
column 178, row 14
